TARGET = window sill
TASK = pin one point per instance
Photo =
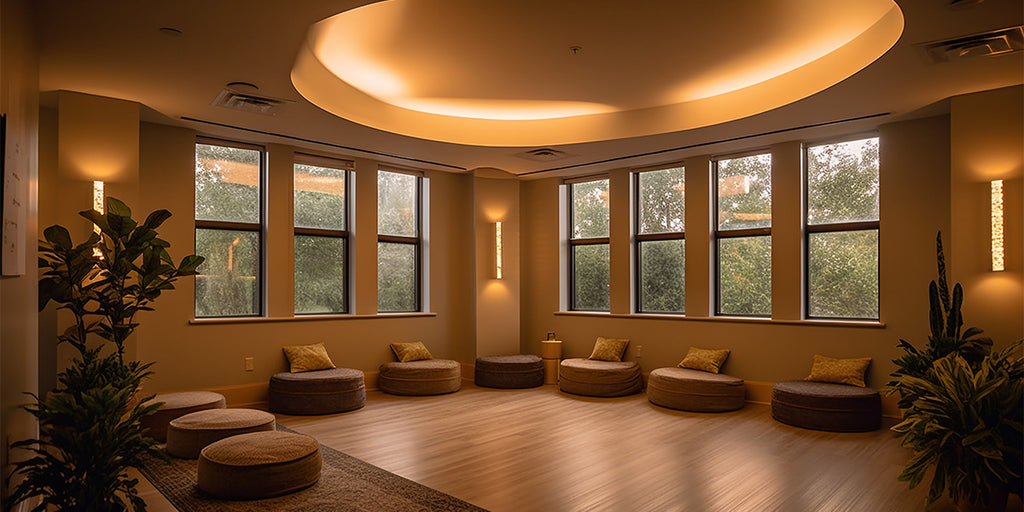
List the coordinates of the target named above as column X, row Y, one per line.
column 870, row 324
column 302, row 318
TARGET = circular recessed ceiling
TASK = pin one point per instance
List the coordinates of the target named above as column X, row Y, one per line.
column 505, row 74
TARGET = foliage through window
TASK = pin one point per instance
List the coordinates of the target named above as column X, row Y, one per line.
column 660, row 240
column 743, row 235
column 229, row 229
column 590, row 273
column 398, row 242
column 320, row 190
column 842, row 229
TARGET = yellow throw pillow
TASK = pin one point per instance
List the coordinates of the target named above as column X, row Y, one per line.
column 306, row 358
column 609, row 349
column 839, row 371
column 704, row 359
column 414, row 351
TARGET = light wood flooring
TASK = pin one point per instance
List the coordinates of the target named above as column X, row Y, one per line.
column 546, row 451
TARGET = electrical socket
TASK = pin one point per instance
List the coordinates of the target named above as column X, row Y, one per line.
column 639, row 350
column 249, row 364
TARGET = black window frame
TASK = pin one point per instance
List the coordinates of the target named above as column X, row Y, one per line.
column 415, row 241
column 574, row 242
column 639, row 238
column 347, row 167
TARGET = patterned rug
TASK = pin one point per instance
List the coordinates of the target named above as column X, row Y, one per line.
column 346, row 484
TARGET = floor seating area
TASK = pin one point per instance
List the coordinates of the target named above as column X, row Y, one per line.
column 509, row 372
column 259, row 465
column 327, row 391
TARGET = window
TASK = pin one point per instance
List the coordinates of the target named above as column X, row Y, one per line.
column 398, row 241
column 321, row 234
column 229, row 222
column 660, row 245
column 589, row 270
column 842, row 230
column 743, row 235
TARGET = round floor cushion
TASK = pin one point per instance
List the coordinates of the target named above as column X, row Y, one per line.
column 179, row 404
column 424, row 377
column 509, row 372
column 187, row 435
column 695, row 390
column 827, row 406
column 259, row 465
column 317, row 392
column 599, row 378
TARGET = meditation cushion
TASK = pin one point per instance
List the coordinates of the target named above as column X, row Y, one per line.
column 695, row 390
column 515, row 371
column 827, row 406
column 317, row 392
column 178, row 404
column 423, row 377
column 187, row 435
column 599, row 378
column 259, row 465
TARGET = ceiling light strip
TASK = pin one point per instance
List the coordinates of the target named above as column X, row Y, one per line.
column 711, row 143
column 329, row 144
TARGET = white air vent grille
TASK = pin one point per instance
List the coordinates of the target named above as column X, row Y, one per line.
column 998, row 42
column 543, row 154
column 247, row 102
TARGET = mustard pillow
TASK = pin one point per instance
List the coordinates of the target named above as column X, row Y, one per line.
column 839, row 371
column 609, row 349
column 704, row 359
column 305, row 358
column 414, row 351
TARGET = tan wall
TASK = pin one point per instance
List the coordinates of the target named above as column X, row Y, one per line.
column 496, row 198
column 913, row 174
column 988, row 144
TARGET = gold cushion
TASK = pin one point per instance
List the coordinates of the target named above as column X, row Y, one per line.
column 839, row 371
column 414, row 351
column 609, row 349
column 704, row 359
column 306, row 358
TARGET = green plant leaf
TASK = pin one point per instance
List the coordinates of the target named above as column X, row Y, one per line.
column 156, row 218
column 58, row 236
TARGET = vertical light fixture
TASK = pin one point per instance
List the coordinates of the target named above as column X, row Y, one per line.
column 97, row 204
column 497, row 248
column 997, row 225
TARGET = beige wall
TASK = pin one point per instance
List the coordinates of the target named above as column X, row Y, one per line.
column 988, row 144
column 496, row 198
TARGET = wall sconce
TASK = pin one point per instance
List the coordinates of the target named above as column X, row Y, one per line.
column 97, row 204
column 497, row 248
column 997, row 225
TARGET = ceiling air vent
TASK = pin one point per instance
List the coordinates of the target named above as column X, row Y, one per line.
column 247, row 102
column 543, row 154
column 997, row 42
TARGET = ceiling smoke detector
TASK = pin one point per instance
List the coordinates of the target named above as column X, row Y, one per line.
column 988, row 44
column 543, row 155
column 245, row 102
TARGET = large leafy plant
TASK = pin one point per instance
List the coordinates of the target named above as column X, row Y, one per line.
column 89, row 425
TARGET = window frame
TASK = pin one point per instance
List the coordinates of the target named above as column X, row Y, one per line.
column 836, row 227
column 416, row 241
column 259, row 228
column 639, row 238
column 574, row 242
column 347, row 167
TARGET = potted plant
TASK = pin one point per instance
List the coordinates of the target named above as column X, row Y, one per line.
column 961, row 405
column 89, row 428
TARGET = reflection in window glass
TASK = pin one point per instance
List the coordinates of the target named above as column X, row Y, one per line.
column 745, row 192
column 842, row 182
column 591, row 277
column 397, row 205
column 227, row 184
column 320, row 274
column 590, row 209
column 319, row 197
column 662, row 276
column 843, row 274
column 396, row 277
column 227, row 283
column 745, row 276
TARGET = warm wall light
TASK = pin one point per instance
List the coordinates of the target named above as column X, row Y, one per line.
column 97, row 204
column 997, row 225
column 497, row 248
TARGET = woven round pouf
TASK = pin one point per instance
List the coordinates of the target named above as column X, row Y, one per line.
column 187, row 435
column 509, row 372
column 179, row 404
column 695, row 390
column 827, row 406
column 424, row 377
column 589, row 377
column 317, row 392
column 259, row 465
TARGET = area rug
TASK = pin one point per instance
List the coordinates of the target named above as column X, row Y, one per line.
column 346, row 484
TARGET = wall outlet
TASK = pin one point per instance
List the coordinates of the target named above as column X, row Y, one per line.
column 249, row 364
column 639, row 350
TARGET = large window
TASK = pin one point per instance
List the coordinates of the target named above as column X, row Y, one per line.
column 229, row 221
column 398, row 241
column 743, row 235
column 589, row 271
column 660, row 240
column 320, row 191
column 842, row 230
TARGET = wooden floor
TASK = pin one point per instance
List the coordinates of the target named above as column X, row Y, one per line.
column 542, row 450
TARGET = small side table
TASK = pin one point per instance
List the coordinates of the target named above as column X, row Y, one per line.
column 551, row 352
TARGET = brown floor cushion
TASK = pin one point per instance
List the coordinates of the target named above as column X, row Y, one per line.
column 187, row 435
column 179, row 404
column 317, row 392
column 423, row 377
column 259, row 465
column 508, row 372
column 827, row 406
column 599, row 378
column 695, row 390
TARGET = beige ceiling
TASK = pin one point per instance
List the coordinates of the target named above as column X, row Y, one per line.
column 116, row 49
